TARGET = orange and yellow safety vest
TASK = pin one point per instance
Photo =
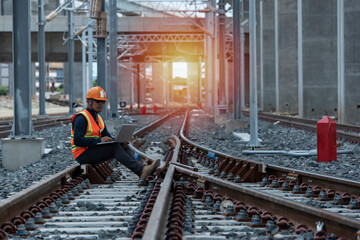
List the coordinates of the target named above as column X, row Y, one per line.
column 93, row 131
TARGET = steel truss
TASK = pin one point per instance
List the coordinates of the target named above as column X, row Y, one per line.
column 153, row 38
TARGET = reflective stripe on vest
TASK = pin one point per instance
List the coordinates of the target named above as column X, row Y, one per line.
column 93, row 131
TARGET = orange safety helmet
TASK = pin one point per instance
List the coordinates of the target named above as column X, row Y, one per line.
column 96, row 93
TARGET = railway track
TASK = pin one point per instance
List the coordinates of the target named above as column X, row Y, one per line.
column 38, row 124
column 346, row 132
column 197, row 193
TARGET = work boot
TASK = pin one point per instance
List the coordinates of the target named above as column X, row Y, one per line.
column 149, row 169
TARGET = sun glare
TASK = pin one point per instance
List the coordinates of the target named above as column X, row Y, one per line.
column 180, row 69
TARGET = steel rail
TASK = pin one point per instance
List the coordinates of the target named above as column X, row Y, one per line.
column 21, row 201
column 310, row 125
column 325, row 181
column 39, row 124
column 348, row 127
column 296, row 212
column 144, row 130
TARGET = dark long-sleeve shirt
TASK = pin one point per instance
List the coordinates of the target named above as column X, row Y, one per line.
column 80, row 125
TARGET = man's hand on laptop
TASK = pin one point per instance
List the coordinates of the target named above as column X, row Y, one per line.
column 106, row 139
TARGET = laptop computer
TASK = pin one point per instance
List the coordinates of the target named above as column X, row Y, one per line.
column 124, row 134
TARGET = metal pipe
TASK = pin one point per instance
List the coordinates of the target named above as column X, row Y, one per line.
column 236, row 60
column 71, row 59
column 41, row 57
column 254, row 141
column 300, row 62
column 277, row 103
column 22, row 72
column 341, row 61
column 114, row 113
column 261, row 56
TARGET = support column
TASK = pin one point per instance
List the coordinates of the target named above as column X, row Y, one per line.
column 168, row 80
column 254, row 141
column 131, row 81
column 209, row 61
column 222, row 88
column 101, row 65
column 341, row 61
column 199, row 98
column 90, row 54
column 113, row 60
column 138, row 84
column 22, row 71
column 236, row 60
column 277, row 101
column 83, row 66
column 23, row 150
column 300, row 61
column 242, row 66
column 41, row 52
column 261, row 56
column 71, row 59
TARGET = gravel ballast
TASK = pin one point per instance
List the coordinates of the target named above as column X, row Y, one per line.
column 202, row 130
column 275, row 137
column 60, row 158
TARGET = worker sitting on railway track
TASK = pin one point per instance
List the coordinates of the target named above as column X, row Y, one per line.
column 88, row 129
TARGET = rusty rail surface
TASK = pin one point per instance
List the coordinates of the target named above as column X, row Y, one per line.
column 13, row 205
column 339, row 184
column 297, row 213
column 333, row 183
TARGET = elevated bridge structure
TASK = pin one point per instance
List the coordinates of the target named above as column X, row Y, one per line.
column 150, row 33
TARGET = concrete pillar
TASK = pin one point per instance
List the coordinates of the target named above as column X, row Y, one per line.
column 352, row 61
column 193, row 77
column 77, row 91
column 143, row 81
column 210, row 61
column 319, row 58
column 229, row 84
column 157, row 82
column 113, row 63
column 124, row 82
column 288, row 91
column 269, row 56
